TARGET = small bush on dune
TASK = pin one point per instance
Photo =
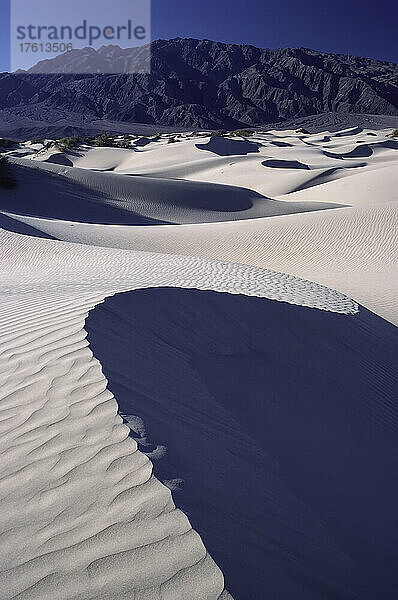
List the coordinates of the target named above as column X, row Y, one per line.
column 68, row 143
column 221, row 133
column 7, row 180
column 38, row 141
column 124, row 144
column 394, row 133
column 105, row 140
column 302, row 130
column 244, row 133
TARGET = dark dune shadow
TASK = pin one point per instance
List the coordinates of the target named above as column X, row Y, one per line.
column 324, row 177
column 284, row 164
column 391, row 144
column 107, row 170
column 282, row 144
column 281, row 422
column 363, row 151
column 141, row 142
column 15, row 226
column 46, row 194
column 59, row 159
column 226, row 147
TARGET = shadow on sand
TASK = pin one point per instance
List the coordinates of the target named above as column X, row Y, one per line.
column 281, row 423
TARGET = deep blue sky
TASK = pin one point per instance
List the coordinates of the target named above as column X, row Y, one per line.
column 358, row 27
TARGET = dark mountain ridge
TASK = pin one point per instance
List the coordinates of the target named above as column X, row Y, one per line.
column 201, row 84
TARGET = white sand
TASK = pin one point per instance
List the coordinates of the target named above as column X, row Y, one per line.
column 115, row 198
column 352, row 248
column 82, row 515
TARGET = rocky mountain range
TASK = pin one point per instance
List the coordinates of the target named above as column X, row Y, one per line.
column 200, row 84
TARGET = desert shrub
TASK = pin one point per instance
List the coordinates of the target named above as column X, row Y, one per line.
column 105, row 139
column 394, row 133
column 68, row 143
column 221, row 133
column 124, row 144
column 302, row 130
column 172, row 140
column 6, row 143
column 38, row 141
column 7, row 179
column 244, row 132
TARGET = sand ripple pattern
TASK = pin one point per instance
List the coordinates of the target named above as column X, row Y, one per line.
column 351, row 248
column 32, row 263
column 82, row 516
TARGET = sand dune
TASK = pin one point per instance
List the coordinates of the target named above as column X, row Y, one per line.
column 184, row 160
column 83, row 516
column 294, row 431
column 284, row 216
column 94, row 197
column 352, row 249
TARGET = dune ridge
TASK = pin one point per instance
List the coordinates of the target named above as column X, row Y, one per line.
column 83, row 515
column 275, row 426
column 286, row 216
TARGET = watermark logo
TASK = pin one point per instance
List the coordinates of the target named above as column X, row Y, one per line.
column 80, row 36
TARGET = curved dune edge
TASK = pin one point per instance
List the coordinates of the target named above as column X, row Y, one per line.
column 82, row 515
column 91, row 196
column 350, row 250
column 272, row 424
column 36, row 263
column 139, row 185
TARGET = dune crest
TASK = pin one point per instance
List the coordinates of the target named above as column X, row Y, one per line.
column 83, row 516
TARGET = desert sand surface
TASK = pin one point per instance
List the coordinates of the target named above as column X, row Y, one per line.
column 83, row 516
column 234, row 434
column 318, row 206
